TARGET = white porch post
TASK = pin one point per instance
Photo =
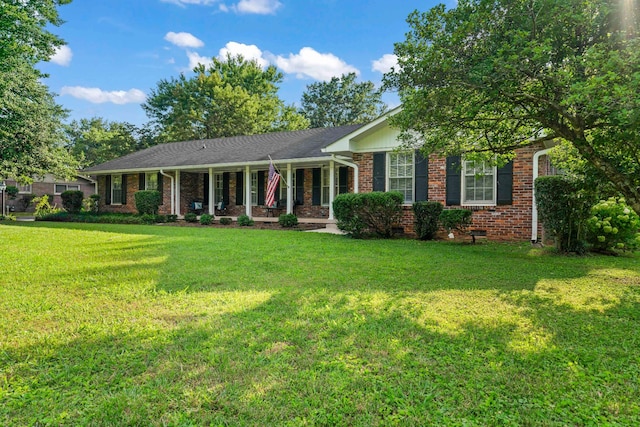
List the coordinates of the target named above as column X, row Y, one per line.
column 178, row 193
column 247, row 191
column 332, row 186
column 212, row 200
column 289, row 189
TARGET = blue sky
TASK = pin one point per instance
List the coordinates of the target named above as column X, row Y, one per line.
column 117, row 50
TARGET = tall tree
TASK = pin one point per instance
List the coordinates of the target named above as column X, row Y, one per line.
column 341, row 101
column 30, row 120
column 96, row 140
column 230, row 97
column 494, row 75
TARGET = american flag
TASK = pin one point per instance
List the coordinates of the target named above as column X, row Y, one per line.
column 272, row 184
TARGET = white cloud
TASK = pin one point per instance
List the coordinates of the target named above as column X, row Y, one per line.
column 195, row 59
column 385, row 63
column 99, row 96
column 183, row 3
column 62, row 56
column 258, row 7
column 248, row 51
column 183, row 39
column 310, row 63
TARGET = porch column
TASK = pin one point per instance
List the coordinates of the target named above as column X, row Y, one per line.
column 332, row 186
column 178, row 193
column 247, row 191
column 289, row 189
column 212, row 199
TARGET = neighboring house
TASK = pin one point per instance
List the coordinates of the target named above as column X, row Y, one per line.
column 316, row 165
column 50, row 186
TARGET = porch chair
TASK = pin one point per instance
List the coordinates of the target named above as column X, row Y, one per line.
column 196, row 206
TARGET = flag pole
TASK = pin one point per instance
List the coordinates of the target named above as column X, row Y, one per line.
column 278, row 170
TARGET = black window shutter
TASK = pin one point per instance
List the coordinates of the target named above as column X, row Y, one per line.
column 225, row 188
column 379, row 170
column 316, row 187
column 505, row 184
column 107, row 190
column 454, row 180
column 342, row 180
column 422, row 177
column 260, row 187
column 160, row 188
column 239, row 188
column 299, row 186
column 124, row 189
column 141, row 181
column 205, row 187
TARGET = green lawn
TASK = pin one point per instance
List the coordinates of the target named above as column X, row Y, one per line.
column 157, row 325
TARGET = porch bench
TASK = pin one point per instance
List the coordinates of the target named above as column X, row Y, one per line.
column 477, row 233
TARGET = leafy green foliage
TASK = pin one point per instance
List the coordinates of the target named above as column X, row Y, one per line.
column 11, row 191
column 232, row 96
column 613, row 226
column 92, row 203
column 341, row 101
column 563, row 207
column 43, row 207
column 148, row 201
column 30, row 129
column 368, row 213
column 288, row 220
column 245, row 221
column 206, row 219
column 456, row 219
column 489, row 76
column 225, row 221
column 190, row 217
column 427, row 219
column 72, row 200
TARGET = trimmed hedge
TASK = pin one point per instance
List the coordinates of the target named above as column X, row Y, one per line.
column 373, row 213
column 206, row 219
column 148, row 201
column 72, row 201
column 427, row 219
column 288, row 220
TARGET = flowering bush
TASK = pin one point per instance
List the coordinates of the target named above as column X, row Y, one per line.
column 613, row 226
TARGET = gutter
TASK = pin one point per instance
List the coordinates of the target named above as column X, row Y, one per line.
column 173, row 210
column 534, row 208
column 356, row 171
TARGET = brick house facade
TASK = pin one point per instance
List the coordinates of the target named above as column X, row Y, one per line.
column 50, row 186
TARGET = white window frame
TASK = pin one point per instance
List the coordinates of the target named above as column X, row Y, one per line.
column 148, row 177
column 324, row 186
column 28, row 187
column 466, row 175
column 66, row 187
column 116, row 200
column 254, row 188
column 218, row 183
column 412, row 176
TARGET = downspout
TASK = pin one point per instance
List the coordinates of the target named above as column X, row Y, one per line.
column 356, row 171
column 173, row 211
column 534, row 208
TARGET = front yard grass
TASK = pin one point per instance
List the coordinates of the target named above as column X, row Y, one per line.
column 155, row 325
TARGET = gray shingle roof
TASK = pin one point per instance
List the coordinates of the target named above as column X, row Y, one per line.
column 232, row 150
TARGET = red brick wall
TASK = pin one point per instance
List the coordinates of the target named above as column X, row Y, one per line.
column 510, row 222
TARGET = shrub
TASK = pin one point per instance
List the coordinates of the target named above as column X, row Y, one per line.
column 190, row 217
column 456, row 219
column 8, row 217
column 161, row 218
column 225, row 221
column 11, row 191
column 172, row 218
column 206, row 219
column 148, row 218
column 148, row 201
column 43, row 207
column 368, row 213
column 613, row 226
column 72, row 201
column 288, row 220
column 91, row 203
column 427, row 217
column 26, row 200
column 563, row 207
column 245, row 221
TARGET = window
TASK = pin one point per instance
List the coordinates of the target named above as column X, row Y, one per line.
column 151, row 181
column 478, row 183
column 326, row 183
column 116, row 189
column 61, row 188
column 254, row 188
column 401, row 174
column 219, row 187
column 25, row 189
